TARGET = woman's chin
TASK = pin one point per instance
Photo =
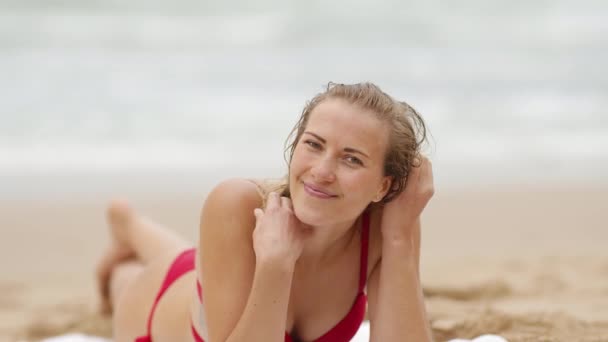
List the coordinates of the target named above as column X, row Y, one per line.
column 310, row 217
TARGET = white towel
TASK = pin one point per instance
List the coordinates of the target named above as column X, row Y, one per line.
column 363, row 336
column 76, row 338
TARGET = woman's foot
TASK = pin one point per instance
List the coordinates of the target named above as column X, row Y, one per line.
column 119, row 214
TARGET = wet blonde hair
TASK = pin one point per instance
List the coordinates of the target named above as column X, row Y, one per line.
column 407, row 132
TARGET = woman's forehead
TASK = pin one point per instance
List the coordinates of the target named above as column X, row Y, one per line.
column 345, row 115
column 343, row 121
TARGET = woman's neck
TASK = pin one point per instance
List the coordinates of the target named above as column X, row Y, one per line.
column 327, row 244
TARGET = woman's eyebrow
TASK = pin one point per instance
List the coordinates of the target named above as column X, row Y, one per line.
column 316, row 136
column 346, row 149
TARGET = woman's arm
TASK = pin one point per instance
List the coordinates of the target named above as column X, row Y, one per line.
column 243, row 300
column 396, row 301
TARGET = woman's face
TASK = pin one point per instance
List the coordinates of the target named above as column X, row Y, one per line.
column 337, row 167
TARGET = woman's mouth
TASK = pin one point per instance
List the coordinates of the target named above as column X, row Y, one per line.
column 317, row 192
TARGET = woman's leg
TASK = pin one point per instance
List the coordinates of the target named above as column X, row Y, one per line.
column 135, row 242
column 122, row 275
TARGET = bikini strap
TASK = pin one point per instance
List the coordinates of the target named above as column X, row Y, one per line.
column 364, row 249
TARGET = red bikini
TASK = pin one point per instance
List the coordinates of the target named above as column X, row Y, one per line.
column 183, row 264
column 344, row 330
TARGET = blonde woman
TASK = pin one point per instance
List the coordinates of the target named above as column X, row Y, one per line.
column 301, row 259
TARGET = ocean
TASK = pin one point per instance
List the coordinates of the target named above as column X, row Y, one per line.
column 513, row 92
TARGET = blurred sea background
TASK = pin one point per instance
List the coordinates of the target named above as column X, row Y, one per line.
column 170, row 94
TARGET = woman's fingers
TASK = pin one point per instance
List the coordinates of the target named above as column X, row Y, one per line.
column 413, row 176
column 429, row 171
column 273, row 201
column 419, row 180
column 426, row 179
column 257, row 212
column 286, row 203
column 276, row 201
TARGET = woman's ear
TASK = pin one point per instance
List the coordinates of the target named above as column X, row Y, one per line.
column 385, row 185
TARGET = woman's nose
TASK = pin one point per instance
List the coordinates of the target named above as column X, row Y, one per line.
column 324, row 170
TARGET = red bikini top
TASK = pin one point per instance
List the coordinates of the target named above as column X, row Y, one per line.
column 346, row 329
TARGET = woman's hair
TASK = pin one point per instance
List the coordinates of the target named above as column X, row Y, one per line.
column 407, row 131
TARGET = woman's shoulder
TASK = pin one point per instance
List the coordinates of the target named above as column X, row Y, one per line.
column 227, row 213
column 235, row 192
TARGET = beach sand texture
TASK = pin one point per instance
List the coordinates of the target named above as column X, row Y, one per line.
column 527, row 263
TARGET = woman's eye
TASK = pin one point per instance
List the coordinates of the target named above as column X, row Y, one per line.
column 354, row 160
column 313, row 144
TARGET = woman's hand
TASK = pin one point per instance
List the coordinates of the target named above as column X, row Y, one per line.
column 278, row 235
column 400, row 215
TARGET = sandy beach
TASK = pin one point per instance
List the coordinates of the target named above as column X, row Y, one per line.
column 527, row 263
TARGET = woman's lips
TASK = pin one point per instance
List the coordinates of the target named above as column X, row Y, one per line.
column 317, row 192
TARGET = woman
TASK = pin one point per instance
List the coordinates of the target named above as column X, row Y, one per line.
column 290, row 261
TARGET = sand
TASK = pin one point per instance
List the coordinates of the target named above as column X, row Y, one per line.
column 528, row 263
